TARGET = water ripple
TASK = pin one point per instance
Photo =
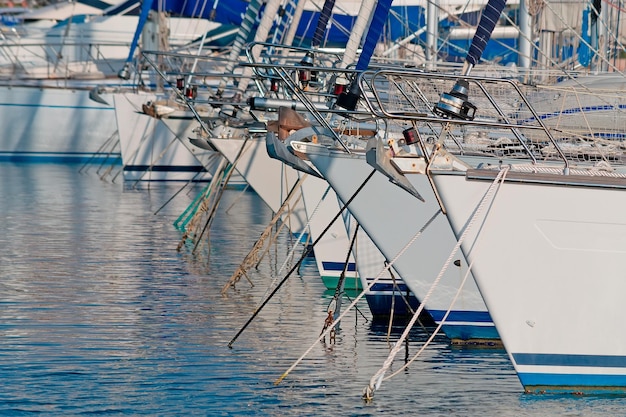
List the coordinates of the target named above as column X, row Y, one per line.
column 100, row 315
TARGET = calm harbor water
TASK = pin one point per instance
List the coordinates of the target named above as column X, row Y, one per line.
column 101, row 315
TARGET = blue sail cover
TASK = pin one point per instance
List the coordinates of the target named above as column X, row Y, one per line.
column 373, row 34
column 322, row 22
column 10, row 20
column 400, row 21
column 128, row 7
column 405, row 20
column 143, row 16
column 228, row 12
column 584, row 51
column 487, row 23
column 348, row 100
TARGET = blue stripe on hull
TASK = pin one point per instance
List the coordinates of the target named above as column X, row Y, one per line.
column 469, row 332
column 165, row 168
column 459, row 324
column 51, row 106
column 380, row 305
column 546, row 359
column 400, row 287
column 304, row 239
column 466, row 316
column 338, row 266
column 60, row 158
column 573, row 383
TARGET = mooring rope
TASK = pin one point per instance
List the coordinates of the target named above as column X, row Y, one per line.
column 306, row 253
column 334, row 306
column 198, row 208
column 358, row 297
column 299, row 239
column 377, row 378
column 436, row 331
column 252, row 259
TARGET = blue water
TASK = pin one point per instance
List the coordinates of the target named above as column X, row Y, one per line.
column 100, row 314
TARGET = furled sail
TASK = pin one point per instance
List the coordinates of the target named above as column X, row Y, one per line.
column 248, row 22
column 192, row 8
column 455, row 103
column 146, row 6
column 318, row 35
column 373, row 34
column 349, row 99
column 488, row 20
column 322, row 22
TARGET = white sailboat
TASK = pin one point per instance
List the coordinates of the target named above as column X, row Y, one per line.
column 547, row 258
column 544, row 235
column 150, row 146
column 392, row 217
column 310, row 212
column 165, row 109
column 47, row 82
column 55, row 124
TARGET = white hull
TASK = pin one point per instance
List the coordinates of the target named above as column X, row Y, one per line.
column 331, row 252
column 392, row 217
column 54, row 125
column 152, row 149
column 273, row 180
column 549, row 263
column 103, row 40
column 321, row 206
column 45, row 109
column 389, row 296
column 269, row 178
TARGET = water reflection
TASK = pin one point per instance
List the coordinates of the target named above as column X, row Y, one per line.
column 100, row 314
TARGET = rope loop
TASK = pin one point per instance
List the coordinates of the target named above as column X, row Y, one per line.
column 378, row 377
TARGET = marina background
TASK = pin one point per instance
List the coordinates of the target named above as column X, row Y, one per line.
column 101, row 315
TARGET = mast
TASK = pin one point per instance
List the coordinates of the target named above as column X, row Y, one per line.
column 270, row 12
column 348, row 100
column 432, row 25
column 594, row 14
column 488, row 20
column 362, row 20
column 524, row 44
column 247, row 23
column 322, row 21
column 146, row 5
column 455, row 104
